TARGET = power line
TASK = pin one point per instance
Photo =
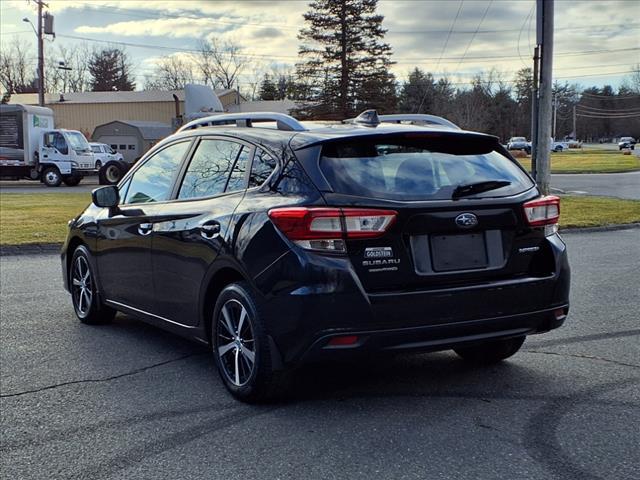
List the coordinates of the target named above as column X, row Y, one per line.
column 520, row 34
column 402, row 60
column 128, row 12
column 608, row 110
column 446, row 42
column 475, row 33
column 608, row 116
column 444, row 47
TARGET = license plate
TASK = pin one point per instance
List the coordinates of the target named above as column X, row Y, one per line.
column 458, row 252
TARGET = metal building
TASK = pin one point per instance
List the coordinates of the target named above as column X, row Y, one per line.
column 84, row 111
column 131, row 138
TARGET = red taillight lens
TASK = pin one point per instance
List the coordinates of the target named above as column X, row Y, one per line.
column 301, row 223
column 325, row 228
column 542, row 211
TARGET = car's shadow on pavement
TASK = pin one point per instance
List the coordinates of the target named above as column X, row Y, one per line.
column 383, row 375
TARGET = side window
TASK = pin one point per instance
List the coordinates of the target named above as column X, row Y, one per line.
column 152, row 182
column 96, row 149
column 263, row 165
column 210, row 167
column 60, row 144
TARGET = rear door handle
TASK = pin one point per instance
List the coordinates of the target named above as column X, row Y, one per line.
column 210, row 230
column 145, row 228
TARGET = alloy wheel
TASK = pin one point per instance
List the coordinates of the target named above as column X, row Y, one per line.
column 235, row 342
column 82, row 286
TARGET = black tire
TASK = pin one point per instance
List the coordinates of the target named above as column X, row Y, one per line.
column 98, row 165
column 51, row 177
column 492, row 351
column 110, row 174
column 251, row 382
column 85, row 297
column 71, row 180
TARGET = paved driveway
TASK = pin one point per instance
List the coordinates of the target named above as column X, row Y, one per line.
column 128, row 401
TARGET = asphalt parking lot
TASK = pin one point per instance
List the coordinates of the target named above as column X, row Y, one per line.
column 128, row 401
column 620, row 185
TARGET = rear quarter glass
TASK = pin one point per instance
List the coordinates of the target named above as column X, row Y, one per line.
column 416, row 169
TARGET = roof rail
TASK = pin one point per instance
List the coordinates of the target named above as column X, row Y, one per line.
column 284, row 122
column 418, row 118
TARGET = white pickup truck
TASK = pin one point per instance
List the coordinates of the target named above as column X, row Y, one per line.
column 109, row 163
column 31, row 148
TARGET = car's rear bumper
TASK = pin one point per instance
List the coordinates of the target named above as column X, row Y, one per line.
column 434, row 337
column 302, row 316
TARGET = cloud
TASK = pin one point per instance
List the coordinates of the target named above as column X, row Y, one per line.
column 269, row 32
column 165, row 27
column 417, row 31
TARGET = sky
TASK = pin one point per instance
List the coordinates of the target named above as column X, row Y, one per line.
column 596, row 42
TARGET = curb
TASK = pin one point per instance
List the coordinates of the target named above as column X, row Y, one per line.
column 30, row 249
column 603, row 228
column 48, row 248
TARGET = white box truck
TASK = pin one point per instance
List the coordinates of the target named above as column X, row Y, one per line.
column 30, row 147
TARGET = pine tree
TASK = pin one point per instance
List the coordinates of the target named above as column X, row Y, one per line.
column 344, row 61
column 110, row 70
column 268, row 89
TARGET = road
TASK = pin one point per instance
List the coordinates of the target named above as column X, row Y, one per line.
column 28, row 186
column 129, row 401
column 621, row 185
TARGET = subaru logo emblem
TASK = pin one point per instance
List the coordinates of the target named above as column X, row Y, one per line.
column 466, row 220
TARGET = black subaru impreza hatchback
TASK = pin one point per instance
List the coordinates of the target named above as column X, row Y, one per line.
column 282, row 245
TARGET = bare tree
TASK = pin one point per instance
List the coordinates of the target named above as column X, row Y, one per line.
column 68, row 69
column 631, row 83
column 16, row 68
column 171, row 73
column 221, row 63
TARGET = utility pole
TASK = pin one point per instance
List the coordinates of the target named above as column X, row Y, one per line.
column 554, row 102
column 40, row 56
column 534, row 111
column 543, row 143
column 575, row 132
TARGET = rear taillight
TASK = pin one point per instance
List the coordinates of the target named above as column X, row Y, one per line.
column 543, row 212
column 327, row 228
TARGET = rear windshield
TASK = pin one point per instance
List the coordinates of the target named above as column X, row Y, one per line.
column 419, row 170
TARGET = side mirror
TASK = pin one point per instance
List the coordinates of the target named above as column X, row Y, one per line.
column 106, row 197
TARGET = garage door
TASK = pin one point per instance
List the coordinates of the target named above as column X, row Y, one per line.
column 124, row 144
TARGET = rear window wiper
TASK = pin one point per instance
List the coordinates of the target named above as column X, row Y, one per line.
column 473, row 188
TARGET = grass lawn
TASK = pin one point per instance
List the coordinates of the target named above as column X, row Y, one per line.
column 38, row 218
column 42, row 218
column 589, row 161
column 579, row 211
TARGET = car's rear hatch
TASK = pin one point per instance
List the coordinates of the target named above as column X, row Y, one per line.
column 446, row 235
